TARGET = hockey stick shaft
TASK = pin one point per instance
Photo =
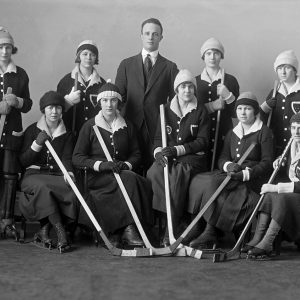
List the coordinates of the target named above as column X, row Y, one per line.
column 3, row 117
column 273, row 95
column 74, row 107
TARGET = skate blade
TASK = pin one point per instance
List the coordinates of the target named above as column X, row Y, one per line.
column 42, row 245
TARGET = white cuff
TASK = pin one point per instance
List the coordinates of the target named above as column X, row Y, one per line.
column 265, row 107
column 226, row 165
column 230, row 98
column 246, row 175
column 97, row 165
column 36, row 147
column 158, row 149
column 180, row 150
column 20, row 102
column 285, row 187
column 129, row 165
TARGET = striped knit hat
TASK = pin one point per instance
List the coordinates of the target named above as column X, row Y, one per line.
column 295, row 118
column 109, row 90
column 247, row 98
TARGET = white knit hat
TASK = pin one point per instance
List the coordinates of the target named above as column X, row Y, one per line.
column 5, row 37
column 212, row 43
column 184, row 76
column 287, row 57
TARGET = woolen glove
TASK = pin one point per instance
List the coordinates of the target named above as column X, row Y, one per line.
column 11, row 100
column 223, row 91
column 169, row 152
column 236, row 176
column 160, row 159
column 122, row 165
column 42, row 138
column 233, row 167
column 213, row 106
column 4, row 108
column 74, row 97
column 276, row 162
column 109, row 166
column 271, row 102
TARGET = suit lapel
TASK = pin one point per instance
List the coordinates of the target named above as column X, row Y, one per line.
column 139, row 70
column 160, row 64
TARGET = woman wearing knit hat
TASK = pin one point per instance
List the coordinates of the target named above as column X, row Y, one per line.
column 83, row 100
column 187, row 126
column 233, row 206
column 46, row 196
column 105, row 198
column 14, row 100
column 217, row 90
column 287, row 98
column 280, row 208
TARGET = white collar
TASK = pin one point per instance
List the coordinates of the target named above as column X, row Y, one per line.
column 11, row 68
column 206, row 77
column 256, row 126
column 174, row 106
column 153, row 55
column 60, row 130
column 117, row 124
column 94, row 77
column 294, row 88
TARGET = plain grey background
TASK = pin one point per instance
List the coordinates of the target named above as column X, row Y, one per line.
column 253, row 33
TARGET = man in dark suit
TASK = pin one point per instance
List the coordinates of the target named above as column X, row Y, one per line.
column 146, row 81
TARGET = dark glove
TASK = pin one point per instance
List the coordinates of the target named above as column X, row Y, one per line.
column 160, row 159
column 271, row 102
column 42, row 138
column 233, row 167
column 169, row 152
column 121, row 165
column 236, row 176
column 109, row 166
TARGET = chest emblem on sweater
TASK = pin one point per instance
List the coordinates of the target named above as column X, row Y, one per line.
column 194, row 130
column 296, row 106
column 169, row 129
column 93, row 100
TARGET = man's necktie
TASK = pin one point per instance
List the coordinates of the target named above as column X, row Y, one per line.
column 148, row 64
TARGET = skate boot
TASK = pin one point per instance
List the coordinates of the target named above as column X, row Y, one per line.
column 62, row 241
column 9, row 231
column 42, row 239
column 131, row 237
column 207, row 240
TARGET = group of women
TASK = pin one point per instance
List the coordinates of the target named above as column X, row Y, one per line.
column 197, row 120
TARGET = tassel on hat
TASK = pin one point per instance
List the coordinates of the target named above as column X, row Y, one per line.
column 184, row 76
column 287, row 57
column 247, row 98
column 5, row 37
column 109, row 90
column 212, row 43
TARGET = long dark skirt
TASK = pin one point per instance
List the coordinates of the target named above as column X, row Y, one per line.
column 285, row 210
column 108, row 204
column 232, row 207
column 179, row 177
column 44, row 194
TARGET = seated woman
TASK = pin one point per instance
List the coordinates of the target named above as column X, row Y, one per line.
column 46, row 197
column 187, row 127
column 280, row 208
column 233, row 206
column 105, row 197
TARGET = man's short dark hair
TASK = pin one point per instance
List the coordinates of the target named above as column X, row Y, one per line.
column 152, row 21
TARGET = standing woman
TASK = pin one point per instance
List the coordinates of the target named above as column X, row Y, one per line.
column 187, row 126
column 11, row 131
column 287, row 98
column 84, row 100
column 105, row 197
column 215, row 94
column 46, row 196
column 233, row 206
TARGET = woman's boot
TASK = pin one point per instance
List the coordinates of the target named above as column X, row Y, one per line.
column 42, row 237
column 8, row 229
column 207, row 240
column 62, row 241
column 261, row 228
column 265, row 246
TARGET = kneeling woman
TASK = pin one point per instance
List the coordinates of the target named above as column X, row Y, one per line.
column 187, row 126
column 233, row 206
column 46, row 197
column 280, row 208
column 105, row 197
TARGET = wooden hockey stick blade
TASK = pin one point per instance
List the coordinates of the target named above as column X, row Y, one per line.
column 113, row 250
column 210, row 201
column 154, row 251
column 235, row 251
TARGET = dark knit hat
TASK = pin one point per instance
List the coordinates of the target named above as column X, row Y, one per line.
column 247, row 98
column 295, row 118
column 109, row 90
column 87, row 45
column 52, row 98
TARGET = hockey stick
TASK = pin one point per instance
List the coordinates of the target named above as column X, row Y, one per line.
column 217, row 129
column 235, row 251
column 211, row 200
column 273, row 95
column 3, row 117
column 112, row 249
column 74, row 107
column 151, row 250
column 181, row 250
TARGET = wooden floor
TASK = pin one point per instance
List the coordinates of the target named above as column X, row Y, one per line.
column 28, row 272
